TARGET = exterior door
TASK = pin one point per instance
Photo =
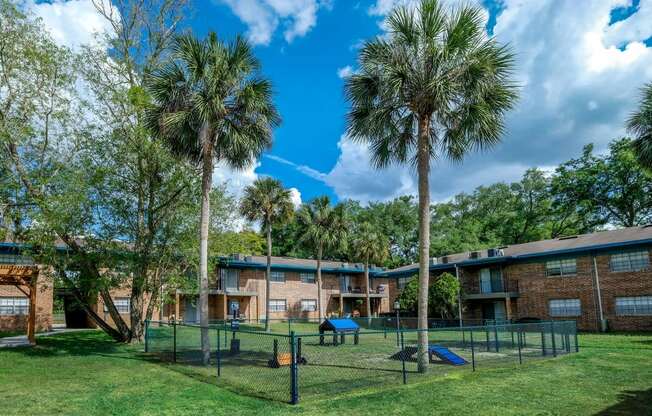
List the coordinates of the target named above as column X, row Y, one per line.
column 345, row 283
column 500, row 314
column 190, row 310
column 488, row 311
column 234, row 307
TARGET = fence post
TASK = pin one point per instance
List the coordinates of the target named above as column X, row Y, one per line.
column 552, row 333
column 486, row 331
column 219, row 355
column 496, row 337
column 518, row 336
column 577, row 345
column 174, row 340
column 472, row 350
column 294, row 373
column 146, row 335
column 403, row 358
column 543, row 340
column 289, row 325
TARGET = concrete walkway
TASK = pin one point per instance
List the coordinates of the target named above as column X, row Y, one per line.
column 21, row 340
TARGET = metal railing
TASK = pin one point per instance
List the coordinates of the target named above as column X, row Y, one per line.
column 305, row 364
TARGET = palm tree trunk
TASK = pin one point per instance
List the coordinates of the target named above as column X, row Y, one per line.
column 423, row 169
column 268, row 285
column 206, row 183
column 319, row 254
column 366, row 282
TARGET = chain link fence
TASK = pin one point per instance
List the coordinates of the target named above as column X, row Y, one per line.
column 295, row 361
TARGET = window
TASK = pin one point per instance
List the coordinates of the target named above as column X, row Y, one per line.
column 308, row 305
column 15, row 259
column 123, row 305
column 277, row 305
column 565, row 307
column 561, row 267
column 637, row 305
column 402, row 282
column 229, row 279
column 630, row 261
column 277, row 277
column 14, row 306
column 307, row 277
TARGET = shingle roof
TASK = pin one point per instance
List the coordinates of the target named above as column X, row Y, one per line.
column 601, row 239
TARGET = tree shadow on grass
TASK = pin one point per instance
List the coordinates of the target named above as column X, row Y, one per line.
column 630, row 403
column 83, row 343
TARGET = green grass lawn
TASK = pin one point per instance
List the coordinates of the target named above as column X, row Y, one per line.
column 6, row 334
column 85, row 373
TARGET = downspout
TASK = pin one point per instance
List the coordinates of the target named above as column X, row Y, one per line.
column 459, row 295
column 603, row 323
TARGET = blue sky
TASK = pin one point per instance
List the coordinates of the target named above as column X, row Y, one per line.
column 580, row 65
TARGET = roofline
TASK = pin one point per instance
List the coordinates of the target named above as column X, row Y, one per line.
column 238, row 264
column 517, row 258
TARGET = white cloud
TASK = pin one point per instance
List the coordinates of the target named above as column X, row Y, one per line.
column 263, row 17
column 580, row 79
column 235, row 180
column 296, row 197
column 72, row 23
column 345, row 72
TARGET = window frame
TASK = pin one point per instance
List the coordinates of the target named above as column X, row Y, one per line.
column 405, row 280
column 273, row 308
column 645, row 305
column 277, row 273
column 302, row 276
column 314, row 309
column 642, row 266
column 560, row 267
column 16, row 309
column 565, row 309
column 120, row 307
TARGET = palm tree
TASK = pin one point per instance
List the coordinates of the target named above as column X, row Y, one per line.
column 211, row 105
column 436, row 87
column 369, row 245
column 323, row 227
column 268, row 202
column 640, row 125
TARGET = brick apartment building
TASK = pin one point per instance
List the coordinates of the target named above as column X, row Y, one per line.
column 601, row 280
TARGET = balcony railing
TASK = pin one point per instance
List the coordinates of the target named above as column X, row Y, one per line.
column 498, row 287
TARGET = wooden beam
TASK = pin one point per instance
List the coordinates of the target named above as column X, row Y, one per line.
column 224, row 308
column 341, row 305
column 31, row 323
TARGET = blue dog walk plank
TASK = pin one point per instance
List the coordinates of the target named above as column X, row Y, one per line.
column 446, row 355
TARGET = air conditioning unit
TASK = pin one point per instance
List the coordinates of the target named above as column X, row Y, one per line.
column 238, row 256
column 495, row 252
column 433, row 261
column 345, row 265
column 474, row 255
column 444, row 259
column 249, row 259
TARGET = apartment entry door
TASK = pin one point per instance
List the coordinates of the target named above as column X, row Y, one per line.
column 494, row 311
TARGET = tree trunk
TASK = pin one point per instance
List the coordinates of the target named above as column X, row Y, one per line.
column 268, row 286
column 423, row 169
column 319, row 254
column 206, row 183
column 366, row 282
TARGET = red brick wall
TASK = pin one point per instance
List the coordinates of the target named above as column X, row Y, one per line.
column 44, row 300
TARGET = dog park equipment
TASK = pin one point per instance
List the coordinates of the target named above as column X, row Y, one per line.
column 443, row 353
column 285, row 358
column 340, row 327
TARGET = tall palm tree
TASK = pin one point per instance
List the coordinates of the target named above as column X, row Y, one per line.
column 640, row 125
column 268, row 202
column 369, row 245
column 323, row 227
column 211, row 105
column 436, row 87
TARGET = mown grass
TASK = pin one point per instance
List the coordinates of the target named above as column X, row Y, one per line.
column 86, row 374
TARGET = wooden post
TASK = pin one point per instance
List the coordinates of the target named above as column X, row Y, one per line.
column 31, row 323
column 341, row 305
column 224, row 308
column 177, row 308
column 508, row 308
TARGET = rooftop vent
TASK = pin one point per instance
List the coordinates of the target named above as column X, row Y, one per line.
column 444, row 259
column 345, row 265
column 474, row 255
column 433, row 261
column 238, row 257
column 567, row 237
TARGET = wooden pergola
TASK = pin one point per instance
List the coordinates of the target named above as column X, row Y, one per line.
column 22, row 276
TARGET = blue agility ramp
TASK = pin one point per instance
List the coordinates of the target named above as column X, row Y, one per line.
column 446, row 355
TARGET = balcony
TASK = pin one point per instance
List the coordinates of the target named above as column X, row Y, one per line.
column 496, row 289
